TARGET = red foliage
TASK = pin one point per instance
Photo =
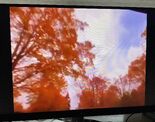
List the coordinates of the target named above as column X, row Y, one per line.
column 136, row 75
column 129, row 90
column 48, row 98
column 44, row 50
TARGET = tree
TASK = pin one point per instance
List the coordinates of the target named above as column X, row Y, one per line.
column 136, row 70
column 45, row 49
column 111, row 97
column 127, row 90
column 136, row 76
column 93, row 94
column 87, row 100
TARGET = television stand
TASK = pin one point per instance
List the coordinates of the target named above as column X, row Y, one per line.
column 149, row 116
column 79, row 119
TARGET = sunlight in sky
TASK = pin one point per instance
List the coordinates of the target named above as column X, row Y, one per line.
column 23, row 99
column 116, row 35
column 117, row 40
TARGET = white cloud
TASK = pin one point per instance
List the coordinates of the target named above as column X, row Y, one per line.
column 105, row 31
column 119, row 62
column 134, row 52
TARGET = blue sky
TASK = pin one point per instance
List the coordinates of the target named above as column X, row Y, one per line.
column 116, row 35
column 130, row 41
column 134, row 22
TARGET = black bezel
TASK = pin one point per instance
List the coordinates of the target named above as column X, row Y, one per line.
column 6, row 90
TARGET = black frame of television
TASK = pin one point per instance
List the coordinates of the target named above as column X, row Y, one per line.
column 6, row 90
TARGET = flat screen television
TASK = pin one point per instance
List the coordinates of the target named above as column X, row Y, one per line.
column 67, row 61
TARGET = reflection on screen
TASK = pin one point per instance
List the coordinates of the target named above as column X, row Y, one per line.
column 69, row 58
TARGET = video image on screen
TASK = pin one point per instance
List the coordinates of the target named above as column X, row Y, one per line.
column 77, row 58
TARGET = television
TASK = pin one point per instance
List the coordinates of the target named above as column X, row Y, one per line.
column 72, row 61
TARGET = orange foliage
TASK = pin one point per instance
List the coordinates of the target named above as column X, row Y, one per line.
column 87, row 100
column 48, row 99
column 136, row 74
column 44, row 50
column 92, row 96
column 137, row 69
column 111, row 97
column 128, row 90
column 101, row 99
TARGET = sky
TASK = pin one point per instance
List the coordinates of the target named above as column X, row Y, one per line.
column 116, row 36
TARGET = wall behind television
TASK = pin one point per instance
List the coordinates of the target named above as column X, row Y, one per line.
column 142, row 3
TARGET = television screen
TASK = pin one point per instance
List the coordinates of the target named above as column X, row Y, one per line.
column 75, row 58
column 76, row 61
